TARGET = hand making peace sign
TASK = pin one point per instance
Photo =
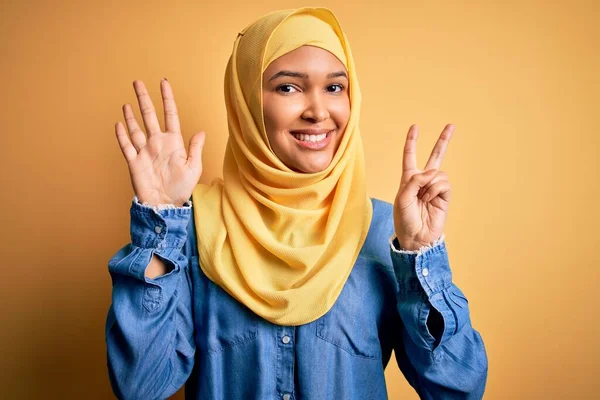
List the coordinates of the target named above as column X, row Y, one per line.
column 421, row 205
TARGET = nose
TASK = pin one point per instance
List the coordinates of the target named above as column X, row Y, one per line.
column 316, row 109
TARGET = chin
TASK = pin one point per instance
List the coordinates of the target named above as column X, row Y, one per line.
column 313, row 168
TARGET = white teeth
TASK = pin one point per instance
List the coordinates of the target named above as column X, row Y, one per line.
column 309, row 138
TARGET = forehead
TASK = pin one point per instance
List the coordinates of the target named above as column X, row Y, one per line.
column 306, row 57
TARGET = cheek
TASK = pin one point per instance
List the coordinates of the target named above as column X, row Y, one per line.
column 277, row 117
column 341, row 113
column 268, row 113
column 281, row 114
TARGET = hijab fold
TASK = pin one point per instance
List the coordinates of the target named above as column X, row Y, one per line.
column 282, row 243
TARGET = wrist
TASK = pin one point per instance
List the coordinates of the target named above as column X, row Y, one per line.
column 159, row 204
column 408, row 245
column 412, row 245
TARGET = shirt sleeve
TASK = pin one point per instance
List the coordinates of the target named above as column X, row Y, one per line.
column 437, row 349
column 149, row 327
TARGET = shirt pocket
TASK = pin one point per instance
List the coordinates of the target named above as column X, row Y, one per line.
column 224, row 321
column 351, row 324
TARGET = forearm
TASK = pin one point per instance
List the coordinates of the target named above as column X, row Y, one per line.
column 149, row 329
column 157, row 267
column 437, row 346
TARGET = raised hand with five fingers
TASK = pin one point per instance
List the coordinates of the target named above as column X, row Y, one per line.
column 161, row 170
column 421, row 205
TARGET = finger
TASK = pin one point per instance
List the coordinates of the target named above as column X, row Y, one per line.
column 195, row 151
column 417, row 181
column 409, row 159
column 171, row 115
column 146, row 108
column 124, row 143
column 441, row 175
column 437, row 154
column 138, row 138
column 441, row 189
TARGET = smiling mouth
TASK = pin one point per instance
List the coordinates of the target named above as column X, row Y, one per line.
column 310, row 137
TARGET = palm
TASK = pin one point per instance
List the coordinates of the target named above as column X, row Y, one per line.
column 161, row 170
column 421, row 205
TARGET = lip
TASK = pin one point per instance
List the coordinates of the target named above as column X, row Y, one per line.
column 312, row 131
column 313, row 145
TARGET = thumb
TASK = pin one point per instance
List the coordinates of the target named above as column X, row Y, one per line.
column 417, row 181
column 195, row 151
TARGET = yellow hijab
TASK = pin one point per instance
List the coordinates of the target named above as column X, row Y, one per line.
column 281, row 242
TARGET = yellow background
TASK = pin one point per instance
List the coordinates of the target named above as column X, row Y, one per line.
column 518, row 79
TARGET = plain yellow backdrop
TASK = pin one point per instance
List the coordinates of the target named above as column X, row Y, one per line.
column 519, row 79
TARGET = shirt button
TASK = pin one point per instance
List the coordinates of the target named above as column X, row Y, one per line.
column 286, row 340
column 157, row 229
column 425, row 272
column 286, row 396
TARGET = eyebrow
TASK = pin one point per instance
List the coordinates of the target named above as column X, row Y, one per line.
column 302, row 75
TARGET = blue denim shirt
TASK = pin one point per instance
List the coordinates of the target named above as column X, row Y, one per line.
column 181, row 328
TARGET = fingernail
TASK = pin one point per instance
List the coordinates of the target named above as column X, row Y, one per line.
column 166, row 79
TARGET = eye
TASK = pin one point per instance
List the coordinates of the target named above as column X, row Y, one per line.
column 286, row 88
column 334, row 87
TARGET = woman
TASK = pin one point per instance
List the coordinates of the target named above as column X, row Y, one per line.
column 284, row 280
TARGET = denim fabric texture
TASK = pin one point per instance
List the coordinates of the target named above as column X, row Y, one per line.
column 181, row 328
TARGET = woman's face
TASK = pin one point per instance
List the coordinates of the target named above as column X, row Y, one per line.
column 306, row 107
